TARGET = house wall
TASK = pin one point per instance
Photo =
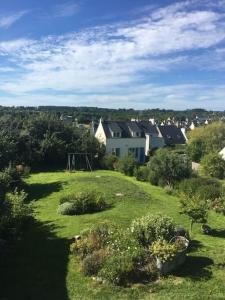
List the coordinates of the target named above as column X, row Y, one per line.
column 183, row 130
column 124, row 144
column 100, row 134
column 156, row 142
column 153, row 141
column 192, row 126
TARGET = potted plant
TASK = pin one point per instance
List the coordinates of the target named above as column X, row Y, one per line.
column 169, row 255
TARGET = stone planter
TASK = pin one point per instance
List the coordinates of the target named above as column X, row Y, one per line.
column 169, row 266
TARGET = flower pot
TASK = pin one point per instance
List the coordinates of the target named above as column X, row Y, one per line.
column 169, row 266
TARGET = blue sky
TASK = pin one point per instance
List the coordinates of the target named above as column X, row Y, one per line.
column 111, row 53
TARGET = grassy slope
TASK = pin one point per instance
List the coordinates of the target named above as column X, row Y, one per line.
column 41, row 267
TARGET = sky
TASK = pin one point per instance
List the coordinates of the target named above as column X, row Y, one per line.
column 113, row 53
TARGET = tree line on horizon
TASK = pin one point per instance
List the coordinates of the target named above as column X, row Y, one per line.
column 88, row 114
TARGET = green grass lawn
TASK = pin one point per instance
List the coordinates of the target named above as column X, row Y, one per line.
column 39, row 266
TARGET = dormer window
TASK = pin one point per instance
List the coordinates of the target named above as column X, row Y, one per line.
column 115, row 130
column 135, row 130
column 136, row 134
column 116, row 134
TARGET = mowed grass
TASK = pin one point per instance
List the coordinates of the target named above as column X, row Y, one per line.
column 40, row 266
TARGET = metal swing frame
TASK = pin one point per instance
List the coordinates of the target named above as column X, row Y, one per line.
column 71, row 162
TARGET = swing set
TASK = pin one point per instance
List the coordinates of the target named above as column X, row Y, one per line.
column 77, row 160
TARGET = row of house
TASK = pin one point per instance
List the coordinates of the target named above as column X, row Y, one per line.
column 137, row 137
column 187, row 124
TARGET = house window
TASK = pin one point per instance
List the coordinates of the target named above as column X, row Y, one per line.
column 135, row 134
column 116, row 134
column 134, row 152
column 131, row 151
column 116, row 151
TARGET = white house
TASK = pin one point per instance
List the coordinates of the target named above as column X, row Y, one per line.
column 136, row 137
column 222, row 153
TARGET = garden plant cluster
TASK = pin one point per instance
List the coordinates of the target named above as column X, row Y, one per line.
column 110, row 253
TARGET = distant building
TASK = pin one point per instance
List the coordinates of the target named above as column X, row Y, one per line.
column 193, row 125
column 199, row 122
column 66, row 119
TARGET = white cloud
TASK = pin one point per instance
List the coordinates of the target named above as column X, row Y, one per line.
column 66, row 10
column 7, row 20
column 103, row 60
column 14, row 47
column 181, row 96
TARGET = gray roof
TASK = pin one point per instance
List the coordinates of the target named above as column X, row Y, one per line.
column 114, row 127
column 172, row 135
column 125, row 128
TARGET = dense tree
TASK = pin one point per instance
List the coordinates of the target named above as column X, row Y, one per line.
column 196, row 149
column 87, row 114
column 166, row 167
column 41, row 139
column 213, row 165
column 204, row 140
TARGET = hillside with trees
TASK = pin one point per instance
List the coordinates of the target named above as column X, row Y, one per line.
column 204, row 140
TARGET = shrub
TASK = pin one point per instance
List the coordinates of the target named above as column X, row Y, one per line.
column 15, row 177
column 206, row 189
column 218, row 205
column 167, row 167
column 142, row 173
column 153, row 177
column 127, row 165
column 67, row 208
column 19, row 210
column 5, row 180
column 94, row 239
column 81, row 203
column 213, row 165
column 163, row 250
column 168, row 189
column 195, row 208
column 117, row 270
column 14, row 212
column 66, row 198
column 122, row 267
column 110, row 162
column 209, row 192
column 104, row 231
column 149, row 270
column 123, row 241
column 153, row 227
column 93, row 262
column 82, row 247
